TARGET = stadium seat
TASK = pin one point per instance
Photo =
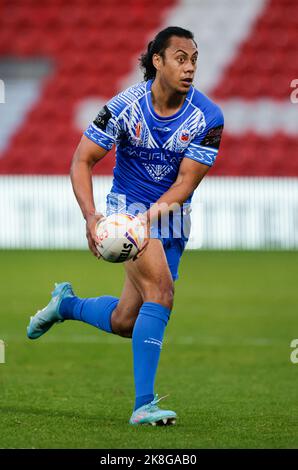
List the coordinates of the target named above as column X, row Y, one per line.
column 91, row 49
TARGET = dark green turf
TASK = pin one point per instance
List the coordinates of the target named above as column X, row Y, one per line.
column 225, row 361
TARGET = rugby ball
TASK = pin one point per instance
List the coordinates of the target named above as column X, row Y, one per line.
column 120, row 237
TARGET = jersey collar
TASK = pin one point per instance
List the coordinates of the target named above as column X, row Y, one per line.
column 173, row 116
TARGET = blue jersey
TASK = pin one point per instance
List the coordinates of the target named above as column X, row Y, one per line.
column 150, row 148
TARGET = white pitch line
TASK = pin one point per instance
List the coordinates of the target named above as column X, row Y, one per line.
column 181, row 341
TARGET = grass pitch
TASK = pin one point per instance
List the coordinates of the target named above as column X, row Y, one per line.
column 225, row 361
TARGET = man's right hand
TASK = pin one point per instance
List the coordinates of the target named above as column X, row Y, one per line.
column 91, row 222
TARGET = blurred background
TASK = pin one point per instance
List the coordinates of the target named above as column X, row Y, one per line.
column 226, row 361
column 60, row 61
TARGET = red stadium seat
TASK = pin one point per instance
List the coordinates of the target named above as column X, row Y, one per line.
column 91, row 49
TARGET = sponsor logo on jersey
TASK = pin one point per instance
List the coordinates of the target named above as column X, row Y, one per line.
column 102, row 118
column 184, row 136
column 212, row 138
column 162, row 129
column 155, row 156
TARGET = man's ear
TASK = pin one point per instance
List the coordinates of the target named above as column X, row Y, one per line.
column 156, row 60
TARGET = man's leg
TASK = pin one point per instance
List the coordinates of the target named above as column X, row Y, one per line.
column 107, row 313
column 142, row 313
column 151, row 276
column 125, row 314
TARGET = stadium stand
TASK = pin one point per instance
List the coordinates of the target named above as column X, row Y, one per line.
column 263, row 68
column 90, row 49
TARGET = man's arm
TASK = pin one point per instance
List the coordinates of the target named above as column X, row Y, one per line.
column 85, row 157
column 190, row 175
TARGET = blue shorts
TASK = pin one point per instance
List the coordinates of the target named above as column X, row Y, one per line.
column 173, row 247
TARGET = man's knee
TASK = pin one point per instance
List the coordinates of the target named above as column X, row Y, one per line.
column 162, row 293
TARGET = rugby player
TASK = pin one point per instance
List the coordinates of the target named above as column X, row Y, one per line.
column 167, row 134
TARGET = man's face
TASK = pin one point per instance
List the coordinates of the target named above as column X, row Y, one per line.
column 178, row 66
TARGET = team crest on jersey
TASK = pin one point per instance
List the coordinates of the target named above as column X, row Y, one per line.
column 184, row 136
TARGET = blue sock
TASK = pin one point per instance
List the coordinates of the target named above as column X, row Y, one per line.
column 95, row 311
column 147, row 339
